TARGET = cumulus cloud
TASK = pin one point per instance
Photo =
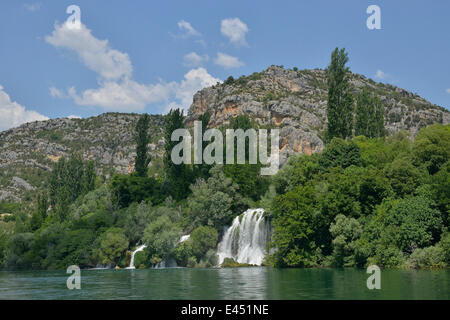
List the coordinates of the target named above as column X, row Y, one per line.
column 187, row 29
column 380, row 75
column 117, row 91
column 96, row 54
column 194, row 80
column 13, row 114
column 194, row 60
column 235, row 30
column 226, row 61
column 73, row 117
column 126, row 95
column 56, row 93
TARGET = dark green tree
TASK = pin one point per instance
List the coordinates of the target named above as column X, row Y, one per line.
column 340, row 98
column 369, row 116
column 362, row 113
column 177, row 176
column 142, row 140
column 379, row 117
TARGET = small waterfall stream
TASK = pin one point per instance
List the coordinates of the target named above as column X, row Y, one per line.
column 138, row 249
column 245, row 241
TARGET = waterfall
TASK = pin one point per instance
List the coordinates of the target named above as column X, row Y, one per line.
column 184, row 238
column 140, row 248
column 245, row 241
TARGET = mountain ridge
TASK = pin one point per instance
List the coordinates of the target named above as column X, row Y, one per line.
column 292, row 100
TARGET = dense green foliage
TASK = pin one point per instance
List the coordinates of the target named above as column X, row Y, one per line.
column 368, row 201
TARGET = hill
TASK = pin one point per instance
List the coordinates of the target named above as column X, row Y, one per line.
column 293, row 100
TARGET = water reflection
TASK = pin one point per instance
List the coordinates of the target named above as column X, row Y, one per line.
column 232, row 283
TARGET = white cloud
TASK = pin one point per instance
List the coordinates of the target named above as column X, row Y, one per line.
column 117, row 90
column 448, row 90
column 96, row 54
column 381, row 75
column 32, row 6
column 56, row 93
column 126, row 95
column 188, row 29
column 194, row 60
column 73, row 117
column 235, row 30
column 194, row 80
column 226, row 61
column 13, row 114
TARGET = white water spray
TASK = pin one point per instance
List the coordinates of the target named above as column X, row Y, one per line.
column 138, row 249
column 245, row 241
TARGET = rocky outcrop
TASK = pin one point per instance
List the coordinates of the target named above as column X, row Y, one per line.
column 28, row 152
column 292, row 100
column 295, row 101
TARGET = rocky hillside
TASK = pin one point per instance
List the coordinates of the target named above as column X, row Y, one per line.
column 27, row 152
column 295, row 101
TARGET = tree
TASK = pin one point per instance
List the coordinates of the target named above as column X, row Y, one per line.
column 202, row 170
column 369, row 115
column 111, row 245
column 340, row 153
column 161, row 237
column 340, row 98
column 203, row 238
column 213, row 202
column 177, row 176
column 432, row 147
column 379, row 117
column 69, row 179
column 362, row 113
column 345, row 232
column 292, row 222
column 403, row 176
column 142, row 140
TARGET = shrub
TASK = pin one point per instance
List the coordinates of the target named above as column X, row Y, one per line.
column 203, row 239
column 430, row 257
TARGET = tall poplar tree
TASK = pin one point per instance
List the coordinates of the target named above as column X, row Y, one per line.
column 340, row 98
column 177, row 176
column 142, row 140
column 369, row 115
column 362, row 113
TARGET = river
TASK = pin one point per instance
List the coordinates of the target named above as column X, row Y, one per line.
column 226, row 283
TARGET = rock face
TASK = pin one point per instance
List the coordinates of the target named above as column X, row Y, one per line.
column 295, row 101
column 27, row 152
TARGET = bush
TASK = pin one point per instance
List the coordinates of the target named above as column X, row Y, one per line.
column 183, row 252
column 203, row 239
column 345, row 232
column 192, row 262
column 430, row 257
column 110, row 246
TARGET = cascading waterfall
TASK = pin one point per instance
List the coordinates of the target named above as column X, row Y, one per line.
column 138, row 249
column 245, row 241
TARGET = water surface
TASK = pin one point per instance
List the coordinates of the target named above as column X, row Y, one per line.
column 223, row 283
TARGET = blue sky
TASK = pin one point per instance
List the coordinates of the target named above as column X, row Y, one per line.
column 148, row 56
